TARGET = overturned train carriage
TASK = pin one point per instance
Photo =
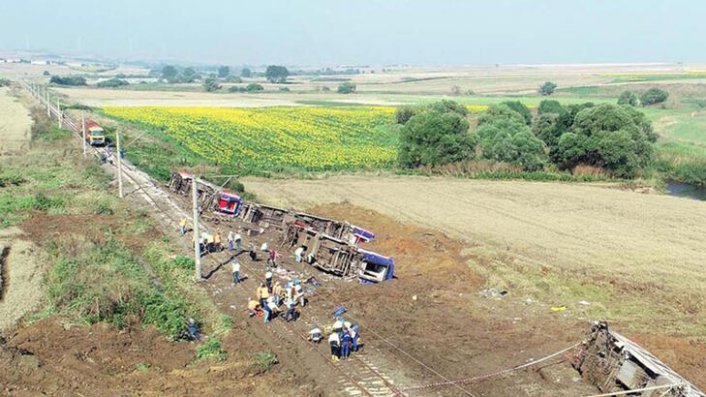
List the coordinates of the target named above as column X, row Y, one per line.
column 613, row 363
column 338, row 257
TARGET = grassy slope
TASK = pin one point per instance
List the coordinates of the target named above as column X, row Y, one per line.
column 97, row 271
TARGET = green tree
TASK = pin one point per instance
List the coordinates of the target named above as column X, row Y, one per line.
column 245, row 72
column 404, row 113
column 550, row 106
column 111, row 83
column 346, row 88
column 629, row 98
column 446, row 105
column 434, row 138
column 618, row 138
column 499, row 112
column 68, row 80
column 653, row 96
column 169, row 72
column 276, row 74
column 508, row 139
column 210, row 84
column 547, row 88
column 188, row 75
column 254, row 87
column 223, row 72
column 520, row 108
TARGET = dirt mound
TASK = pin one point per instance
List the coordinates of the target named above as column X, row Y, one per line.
column 54, row 358
column 434, row 312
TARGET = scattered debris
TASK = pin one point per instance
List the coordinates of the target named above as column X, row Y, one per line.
column 493, row 293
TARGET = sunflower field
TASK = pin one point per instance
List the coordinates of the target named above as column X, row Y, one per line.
column 276, row 138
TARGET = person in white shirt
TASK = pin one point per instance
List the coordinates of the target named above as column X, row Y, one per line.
column 315, row 335
column 238, row 241
column 298, row 253
column 230, row 240
column 236, row 271
column 335, row 342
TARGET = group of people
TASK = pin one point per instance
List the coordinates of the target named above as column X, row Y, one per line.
column 272, row 295
column 343, row 340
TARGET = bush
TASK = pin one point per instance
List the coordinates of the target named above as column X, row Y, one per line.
column 252, row 87
column 284, row 89
column 433, row 138
column 264, row 361
column 346, row 88
column 629, row 98
column 550, row 106
column 211, row 84
column 446, row 105
column 184, row 262
column 233, row 79
column 112, row 83
column 4, row 82
column 68, row 80
column 653, row 96
column 211, row 349
column 404, row 113
column 617, row 138
column 508, row 139
column 547, row 88
column 521, row 109
column 46, row 73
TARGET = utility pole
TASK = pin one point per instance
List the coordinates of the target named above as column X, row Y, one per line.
column 120, row 165
column 58, row 111
column 83, row 132
column 197, row 237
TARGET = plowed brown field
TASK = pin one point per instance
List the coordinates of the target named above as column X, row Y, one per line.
column 636, row 258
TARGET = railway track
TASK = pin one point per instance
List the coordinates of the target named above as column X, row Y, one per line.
column 357, row 376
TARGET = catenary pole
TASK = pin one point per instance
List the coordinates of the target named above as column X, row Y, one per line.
column 197, row 237
column 83, row 132
column 120, row 165
column 58, row 111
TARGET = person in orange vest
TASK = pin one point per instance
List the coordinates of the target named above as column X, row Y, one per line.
column 253, row 307
column 262, row 295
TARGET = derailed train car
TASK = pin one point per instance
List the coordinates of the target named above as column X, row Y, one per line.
column 615, row 364
column 338, row 257
column 331, row 245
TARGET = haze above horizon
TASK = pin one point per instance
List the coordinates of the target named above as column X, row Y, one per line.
column 317, row 32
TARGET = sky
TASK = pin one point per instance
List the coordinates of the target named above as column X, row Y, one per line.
column 362, row 32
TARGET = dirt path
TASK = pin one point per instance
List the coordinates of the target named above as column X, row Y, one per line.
column 21, row 266
column 22, row 271
column 15, row 124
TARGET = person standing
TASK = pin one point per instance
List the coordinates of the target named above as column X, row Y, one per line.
column 346, row 344
column 354, row 337
column 277, row 291
column 230, row 240
column 272, row 258
column 335, row 342
column 238, row 241
column 262, row 295
column 236, row 271
column 182, row 226
column 268, row 281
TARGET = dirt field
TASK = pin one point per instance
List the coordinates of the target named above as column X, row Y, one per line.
column 560, row 243
column 15, row 124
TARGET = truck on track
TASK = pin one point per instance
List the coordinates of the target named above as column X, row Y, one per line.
column 95, row 135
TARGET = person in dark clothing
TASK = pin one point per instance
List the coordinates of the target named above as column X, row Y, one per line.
column 346, row 342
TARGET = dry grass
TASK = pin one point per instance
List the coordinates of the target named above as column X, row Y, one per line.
column 637, row 257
